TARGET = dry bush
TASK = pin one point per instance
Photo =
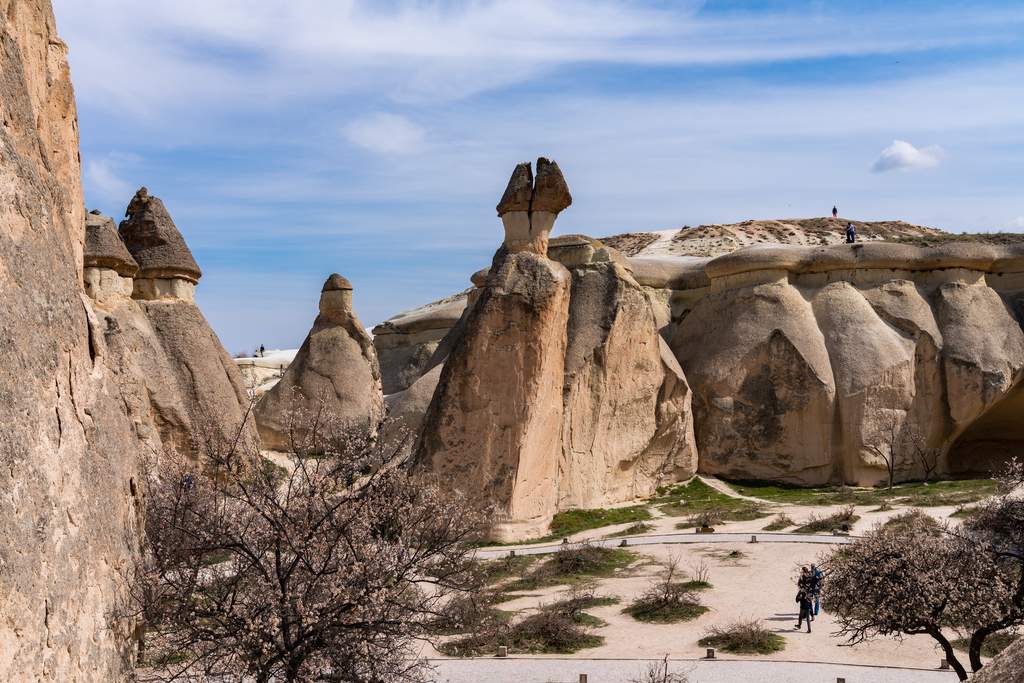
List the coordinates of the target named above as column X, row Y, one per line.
column 743, row 637
column 700, row 571
column 667, row 600
column 659, row 673
column 704, row 518
column 577, row 558
column 816, row 523
column 559, row 628
column 913, row 523
column 781, row 521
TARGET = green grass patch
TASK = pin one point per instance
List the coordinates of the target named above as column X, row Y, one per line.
column 696, row 585
column 915, row 494
column 991, row 646
column 634, row 529
column 664, row 614
column 562, row 627
column 743, row 637
column 570, row 522
column 704, row 505
column 571, row 565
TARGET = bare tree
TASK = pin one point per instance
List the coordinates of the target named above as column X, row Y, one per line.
column 911, row 582
column 328, row 567
column 899, row 442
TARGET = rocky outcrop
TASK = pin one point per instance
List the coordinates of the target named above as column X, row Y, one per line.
column 166, row 267
column 406, row 342
column 336, row 368
column 70, row 489
column 179, row 383
column 493, row 424
column 109, row 268
column 556, row 390
column 626, row 419
column 799, row 358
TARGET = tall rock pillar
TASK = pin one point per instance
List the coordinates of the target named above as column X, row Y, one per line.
column 493, row 425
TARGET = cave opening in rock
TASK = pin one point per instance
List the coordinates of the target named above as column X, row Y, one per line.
column 992, row 440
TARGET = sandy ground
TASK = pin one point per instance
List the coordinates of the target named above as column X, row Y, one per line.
column 760, row 583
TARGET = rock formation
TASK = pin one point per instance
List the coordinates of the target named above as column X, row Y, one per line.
column 109, row 268
column 70, row 489
column 166, row 267
column 406, row 342
column 336, row 364
column 800, row 356
column 177, row 379
column 556, row 390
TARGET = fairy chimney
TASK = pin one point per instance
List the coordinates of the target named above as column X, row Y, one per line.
column 108, row 267
column 166, row 267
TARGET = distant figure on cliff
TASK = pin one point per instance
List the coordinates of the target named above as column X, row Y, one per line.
column 835, row 212
column 261, row 351
column 851, row 234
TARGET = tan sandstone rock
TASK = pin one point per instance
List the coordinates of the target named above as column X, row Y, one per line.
column 528, row 214
column 626, row 424
column 762, row 385
column 70, row 489
column 492, row 427
column 336, row 364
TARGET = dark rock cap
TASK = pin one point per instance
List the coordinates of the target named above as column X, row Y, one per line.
column 550, row 193
column 104, row 247
column 154, row 241
column 520, row 189
column 336, row 282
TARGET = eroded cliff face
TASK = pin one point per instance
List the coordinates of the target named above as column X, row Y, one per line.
column 802, row 358
column 69, row 488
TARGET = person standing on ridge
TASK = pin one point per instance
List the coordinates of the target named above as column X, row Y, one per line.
column 851, row 234
column 262, row 351
column 835, row 212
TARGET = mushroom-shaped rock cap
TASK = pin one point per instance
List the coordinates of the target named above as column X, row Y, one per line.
column 520, row 189
column 550, row 193
column 154, row 241
column 336, row 282
column 104, row 247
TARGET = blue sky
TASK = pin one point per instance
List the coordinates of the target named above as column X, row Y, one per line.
column 293, row 140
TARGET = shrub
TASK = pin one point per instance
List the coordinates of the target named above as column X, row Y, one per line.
column 781, row 521
column 836, row 520
column 912, row 523
column 743, row 637
column 667, row 600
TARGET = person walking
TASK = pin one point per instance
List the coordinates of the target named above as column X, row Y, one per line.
column 816, row 577
column 835, row 212
column 851, row 233
column 805, row 610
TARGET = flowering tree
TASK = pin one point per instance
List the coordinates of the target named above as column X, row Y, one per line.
column 327, row 567
column 899, row 583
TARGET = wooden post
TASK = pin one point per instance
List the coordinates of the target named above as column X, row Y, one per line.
column 583, row 678
column 711, row 653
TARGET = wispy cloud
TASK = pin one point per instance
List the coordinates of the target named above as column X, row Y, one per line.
column 386, row 133
column 1016, row 225
column 903, row 156
column 103, row 180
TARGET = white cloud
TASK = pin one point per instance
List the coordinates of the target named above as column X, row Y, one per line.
column 103, row 180
column 903, row 156
column 385, row 133
column 1016, row 225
